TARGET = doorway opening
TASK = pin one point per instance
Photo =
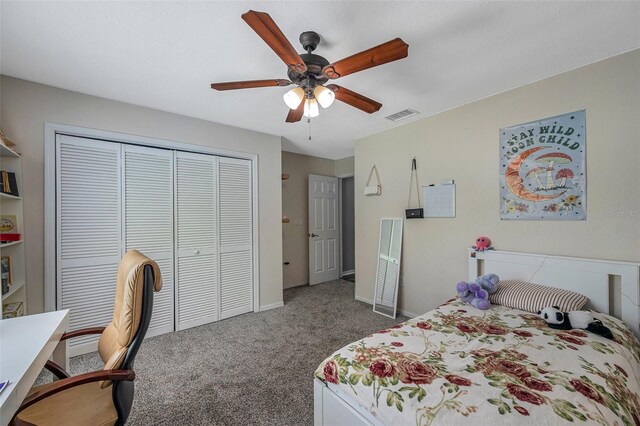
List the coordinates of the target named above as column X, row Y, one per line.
column 347, row 233
column 331, row 229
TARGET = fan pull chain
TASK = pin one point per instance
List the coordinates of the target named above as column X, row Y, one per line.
column 309, row 118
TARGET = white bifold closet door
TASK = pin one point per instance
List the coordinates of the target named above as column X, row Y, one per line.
column 88, row 233
column 191, row 213
column 236, row 243
column 196, row 240
column 148, row 221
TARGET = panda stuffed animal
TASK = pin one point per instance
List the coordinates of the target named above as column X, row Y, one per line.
column 559, row 320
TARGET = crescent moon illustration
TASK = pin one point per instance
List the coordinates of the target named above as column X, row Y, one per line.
column 514, row 181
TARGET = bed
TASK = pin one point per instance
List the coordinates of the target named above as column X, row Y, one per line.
column 459, row 365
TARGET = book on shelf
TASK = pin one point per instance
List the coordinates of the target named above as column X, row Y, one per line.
column 12, row 310
column 8, row 183
column 8, row 224
column 6, row 141
column 9, row 237
column 6, row 273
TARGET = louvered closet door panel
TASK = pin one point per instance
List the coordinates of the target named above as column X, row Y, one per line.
column 393, row 265
column 236, row 240
column 196, row 240
column 389, row 262
column 88, row 233
column 148, row 221
column 389, row 293
column 380, row 279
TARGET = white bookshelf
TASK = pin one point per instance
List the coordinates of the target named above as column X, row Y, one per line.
column 11, row 161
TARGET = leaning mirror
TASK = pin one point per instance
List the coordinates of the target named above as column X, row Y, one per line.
column 388, row 272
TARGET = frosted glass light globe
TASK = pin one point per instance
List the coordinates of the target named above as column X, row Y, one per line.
column 324, row 96
column 311, row 108
column 293, row 97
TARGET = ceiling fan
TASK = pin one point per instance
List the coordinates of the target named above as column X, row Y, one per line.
column 309, row 72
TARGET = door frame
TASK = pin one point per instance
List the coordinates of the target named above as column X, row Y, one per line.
column 52, row 129
column 340, row 242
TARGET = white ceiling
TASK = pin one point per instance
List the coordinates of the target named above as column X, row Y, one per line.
column 164, row 55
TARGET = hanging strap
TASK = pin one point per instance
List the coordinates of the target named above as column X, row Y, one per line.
column 414, row 176
column 373, row 169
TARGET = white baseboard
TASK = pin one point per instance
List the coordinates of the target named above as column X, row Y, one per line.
column 271, row 306
column 362, row 299
column 351, row 272
column 407, row 313
column 295, row 285
column 400, row 311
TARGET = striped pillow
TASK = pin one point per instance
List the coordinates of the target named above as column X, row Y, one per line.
column 533, row 297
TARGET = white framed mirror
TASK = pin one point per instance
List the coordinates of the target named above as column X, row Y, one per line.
column 388, row 272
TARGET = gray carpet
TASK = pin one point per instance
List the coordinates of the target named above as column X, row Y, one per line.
column 252, row 369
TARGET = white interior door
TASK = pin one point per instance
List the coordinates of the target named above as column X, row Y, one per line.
column 323, row 229
column 88, row 233
column 236, row 242
column 148, row 221
column 196, row 240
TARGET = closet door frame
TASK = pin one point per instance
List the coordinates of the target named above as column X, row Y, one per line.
column 51, row 130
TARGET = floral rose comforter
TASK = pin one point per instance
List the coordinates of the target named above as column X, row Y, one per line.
column 459, row 365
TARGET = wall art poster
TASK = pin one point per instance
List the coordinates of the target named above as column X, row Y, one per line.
column 542, row 169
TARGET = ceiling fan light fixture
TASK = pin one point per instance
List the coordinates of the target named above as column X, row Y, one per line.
column 293, row 97
column 311, row 108
column 324, row 96
column 310, row 71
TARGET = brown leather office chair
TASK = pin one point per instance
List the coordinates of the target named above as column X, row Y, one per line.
column 102, row 397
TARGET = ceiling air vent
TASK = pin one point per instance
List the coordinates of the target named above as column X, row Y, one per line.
column 406, row 113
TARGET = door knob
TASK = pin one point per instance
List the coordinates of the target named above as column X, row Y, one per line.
column 313, row 235
column 196, row 252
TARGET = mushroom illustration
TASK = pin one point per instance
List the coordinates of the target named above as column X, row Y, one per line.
column 563, row 175
column 551, row 159
column 536, row 172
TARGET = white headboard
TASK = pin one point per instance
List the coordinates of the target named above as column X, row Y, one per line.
column 612, row 287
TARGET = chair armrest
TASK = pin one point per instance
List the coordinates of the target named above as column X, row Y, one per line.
column 82, row 332
column 56, row 369
column 64, row 384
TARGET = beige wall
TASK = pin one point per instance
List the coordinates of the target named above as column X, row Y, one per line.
column 344, row 167
column 462, row 144
column 25, row 106
column 295, row 240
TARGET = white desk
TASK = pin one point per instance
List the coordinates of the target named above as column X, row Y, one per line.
column 26, row 343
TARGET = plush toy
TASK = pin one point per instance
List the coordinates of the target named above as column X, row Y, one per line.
column 559, row 320
column 488, row 282
column 482, row 244
column 473, row 294
column 477, row 293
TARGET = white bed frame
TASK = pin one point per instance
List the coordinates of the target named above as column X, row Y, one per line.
column 612, row 288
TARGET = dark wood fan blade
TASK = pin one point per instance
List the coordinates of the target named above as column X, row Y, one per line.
column 295, row 114
column 354, row 99
column 233, row 85
column 267, row 29
column 382, row 54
